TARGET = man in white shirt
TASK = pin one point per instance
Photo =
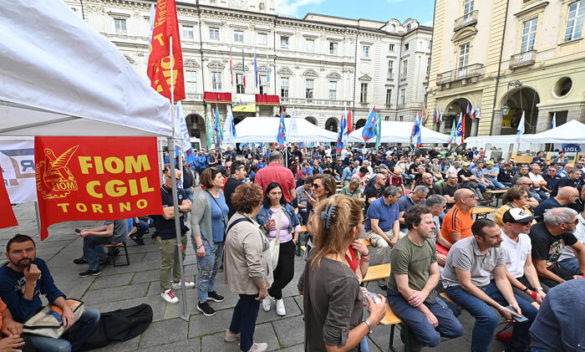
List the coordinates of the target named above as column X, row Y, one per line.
column 517, row 248
column 538, row 182
column 567, row 259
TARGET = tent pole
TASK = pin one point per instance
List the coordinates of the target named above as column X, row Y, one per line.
column 38, row 217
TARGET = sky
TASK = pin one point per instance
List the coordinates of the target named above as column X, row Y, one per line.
column 380, row 10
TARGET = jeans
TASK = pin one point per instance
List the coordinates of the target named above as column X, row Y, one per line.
column 244, row 320
column 487, row 319
column 207, row 267
column 77, row 335
column 169, row 259
column 417, row 322
column 494, row 181
column 141, row 227
column 481, row 186
column 571, row 265
column 93, row 250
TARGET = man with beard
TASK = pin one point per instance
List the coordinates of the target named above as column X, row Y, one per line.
column 22, row 280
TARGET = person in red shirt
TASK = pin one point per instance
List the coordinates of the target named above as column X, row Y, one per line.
column 276, row 172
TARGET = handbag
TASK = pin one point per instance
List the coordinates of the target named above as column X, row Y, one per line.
column 275, row 243
column 48, row 321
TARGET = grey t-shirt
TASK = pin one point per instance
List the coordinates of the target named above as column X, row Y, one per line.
column 332, row 303
column 465, row 255
column 120, row 230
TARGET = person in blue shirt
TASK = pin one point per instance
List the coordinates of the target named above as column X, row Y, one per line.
column 23, row 279
column 382, row 226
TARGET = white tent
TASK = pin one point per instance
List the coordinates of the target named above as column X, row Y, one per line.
column 571, row 132
column 59, row 77
column 264, row 130
column 399, row 132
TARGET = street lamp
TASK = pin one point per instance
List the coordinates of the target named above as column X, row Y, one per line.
column 505, row 107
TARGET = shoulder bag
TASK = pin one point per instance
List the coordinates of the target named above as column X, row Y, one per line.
column 48, row 322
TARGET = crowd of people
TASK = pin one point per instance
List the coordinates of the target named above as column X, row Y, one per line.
column 244, row 214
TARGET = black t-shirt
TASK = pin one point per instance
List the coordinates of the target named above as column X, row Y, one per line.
column 412, row 168
column 166, row 228
column 228, row 189
column 370, row 193
column 462, row 172
column 546, row 246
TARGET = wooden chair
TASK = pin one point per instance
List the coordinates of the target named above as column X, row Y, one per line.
column 123, row 245
column 391, row 319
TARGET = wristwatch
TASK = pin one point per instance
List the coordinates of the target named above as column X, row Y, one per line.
column 369, row 326
column 199, row 246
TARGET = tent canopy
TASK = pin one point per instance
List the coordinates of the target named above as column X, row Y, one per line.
column 264, row 130
column 571, row 132
column 59, row 77
column 399, row 132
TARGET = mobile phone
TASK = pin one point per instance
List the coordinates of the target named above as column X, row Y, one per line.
column 373, row 296
column 77, row 230
column 519, row 319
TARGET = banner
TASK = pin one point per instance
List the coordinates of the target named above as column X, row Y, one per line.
column 7, row 219
column 17, row 158
column 96, row 178
column 159, row 69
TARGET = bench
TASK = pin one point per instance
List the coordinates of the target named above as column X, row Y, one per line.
column 391, row 319
column 123, row 245
column 377, row 272
column 482, row 212
column 366, row 242
column 497, row 193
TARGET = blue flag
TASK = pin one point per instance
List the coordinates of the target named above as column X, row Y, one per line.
column 369, row 130
column 255, row 70
column 217, row 128
column 342, row 127
column 415, row 137
column 281, row 130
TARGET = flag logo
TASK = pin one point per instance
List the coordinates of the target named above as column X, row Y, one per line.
column 54, row 178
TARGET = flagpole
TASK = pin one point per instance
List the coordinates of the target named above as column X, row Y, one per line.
column 178, row 232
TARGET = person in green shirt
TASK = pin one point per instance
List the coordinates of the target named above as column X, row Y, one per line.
column 352, row 189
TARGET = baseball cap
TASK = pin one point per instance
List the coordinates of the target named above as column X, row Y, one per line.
column 489, row 162
column 465, row 163
column 517, row 216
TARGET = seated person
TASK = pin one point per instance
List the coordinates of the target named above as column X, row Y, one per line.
column 448, row 189
column 352, row 189
column 437, row 204
column 515, row 197
column 475, row 278
column 566, row 195
column 23, row 279
column 382, row 227
column 568, row 259
column 548, row 240
column 112, row 231
column 10, row 340
column 417, row 196
column 458, row 220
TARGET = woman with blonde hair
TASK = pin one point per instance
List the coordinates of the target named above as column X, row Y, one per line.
column 332, row 300
column 515, row 197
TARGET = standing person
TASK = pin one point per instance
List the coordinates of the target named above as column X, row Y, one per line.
column 286, row 226
column 237, row 177
column 23, row 279
column 471, row 264
column 208, row 225
column 276, row 172
column 188, row 181
column 413, row 278
column 167, row 237
column 302, row 201
column 247, row 266
column 332, row 298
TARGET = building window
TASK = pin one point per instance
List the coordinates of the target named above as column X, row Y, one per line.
column 310, row 45
column 402, row 97
column 406, row 46
column 284, row 42
column 388, row 97
column 408, row 27
column 390, row 69
column 365, row 51
column 401, row 118
column 262, row 84
column 463, row 55
column 188, row 33
column 309, row 85
column 191, row 81
column 332, row 90
column 391, row 47
column 575, row 20
column 240, row 88
column 386, row 118
column 428, row 65
column 333, row 48
column 364, row 93
column 216, row 81
column 404, row 73
column 467, row 9
column 238, row 36
column 528, row 35
column 213, row 33
column 262, row 38
column 284, row 87
column 120, row 24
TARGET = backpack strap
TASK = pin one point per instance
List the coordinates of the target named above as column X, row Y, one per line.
column 236, row 222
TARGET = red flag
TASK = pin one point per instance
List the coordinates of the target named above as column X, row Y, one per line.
column 349, row 126
column 166, row 27
column 463, row 129
column 7, row 219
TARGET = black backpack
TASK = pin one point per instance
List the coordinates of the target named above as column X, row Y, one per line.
column 119, row 325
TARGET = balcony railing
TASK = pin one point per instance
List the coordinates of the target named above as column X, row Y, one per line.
column 466, row 72
column 468, row 19
column 194, row 97
column 523, row 59
column 312, row 101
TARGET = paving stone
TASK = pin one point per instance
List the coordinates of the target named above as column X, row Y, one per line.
column 145, row 276
column 200, row 325
column 114, row 294
column 165, row 332
column 291, row 310
column 290, row 331
column 193, row 345
column 295, row 348
column 130, row 345
column 108, row 281
column 262, row 333
column 156, row 303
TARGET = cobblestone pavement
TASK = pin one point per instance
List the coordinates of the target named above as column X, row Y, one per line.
column 127, row 286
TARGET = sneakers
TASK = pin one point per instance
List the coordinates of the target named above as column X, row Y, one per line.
column 280, row 307
column 230, row 336
column 138, row 239
column 81, row 260
column 204, row 308
column 169, row 296
column 90, row 272
column 188, row 284
column 267, row 303
column 214, row 296
column 258, row 347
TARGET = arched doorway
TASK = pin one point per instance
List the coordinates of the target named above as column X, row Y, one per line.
column 312, row 120
column 523, row 99
column 360, row 123
column 452, row 112
column 331, row 124
column 196, row 126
